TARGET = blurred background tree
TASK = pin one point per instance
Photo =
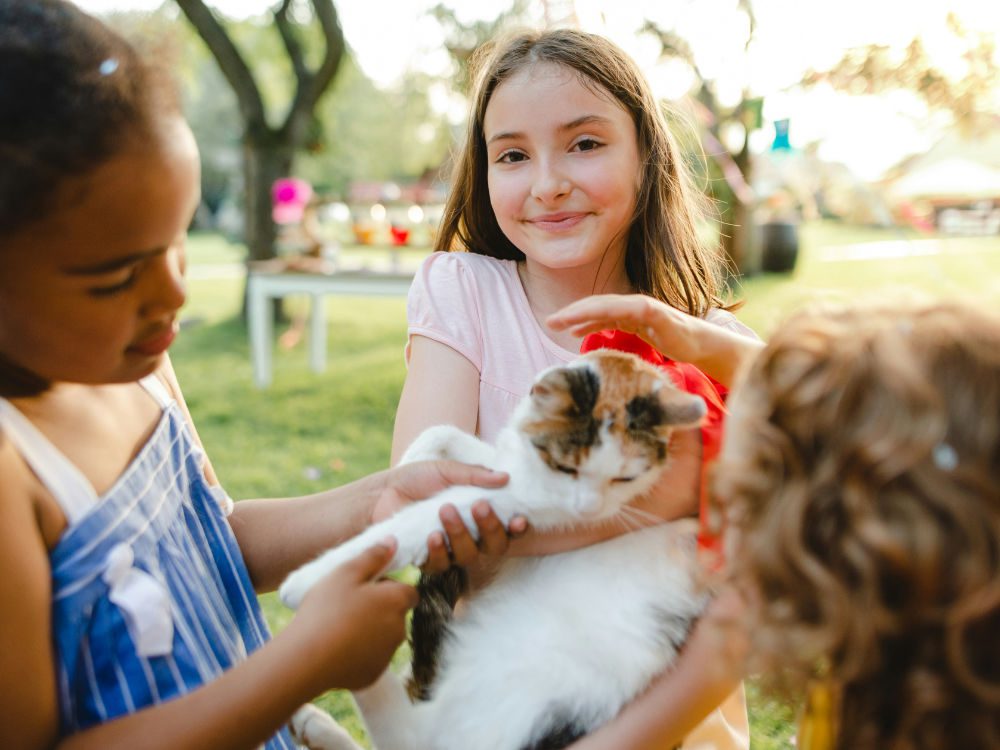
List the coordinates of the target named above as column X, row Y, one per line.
column 313, row 43
column 724, row 131
column 970, row 97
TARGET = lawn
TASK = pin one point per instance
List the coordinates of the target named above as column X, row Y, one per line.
column 308, row 432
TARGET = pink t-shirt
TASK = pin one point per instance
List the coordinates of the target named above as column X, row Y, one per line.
column 476, row 305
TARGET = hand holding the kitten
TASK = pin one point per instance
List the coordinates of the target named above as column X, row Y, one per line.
column 413, row 482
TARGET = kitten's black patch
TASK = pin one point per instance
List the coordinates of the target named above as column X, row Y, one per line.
column 643, row 415
column 566, row 445
column 429, row 626
column 584, row 387
column 560, row 737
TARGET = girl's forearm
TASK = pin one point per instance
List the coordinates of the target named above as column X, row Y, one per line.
column 238, row 711
column 277, row 536
column 722, row 353
column 706, row 672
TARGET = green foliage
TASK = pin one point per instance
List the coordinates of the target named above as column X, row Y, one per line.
column 375, row 134
column 308, row 431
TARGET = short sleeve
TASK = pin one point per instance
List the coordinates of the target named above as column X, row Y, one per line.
column 443, row 305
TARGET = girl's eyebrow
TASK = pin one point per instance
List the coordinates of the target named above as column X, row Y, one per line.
column 113, row 265
column 571, row 125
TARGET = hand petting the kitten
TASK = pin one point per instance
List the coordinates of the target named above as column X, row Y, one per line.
column 715, row 350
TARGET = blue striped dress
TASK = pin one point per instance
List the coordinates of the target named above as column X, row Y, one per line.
column 150, row 594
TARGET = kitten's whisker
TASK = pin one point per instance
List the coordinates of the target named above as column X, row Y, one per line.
column 642, row 518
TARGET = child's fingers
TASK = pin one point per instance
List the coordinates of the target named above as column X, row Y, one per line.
column 372, row 561
column 493, row 538
column 602, row 308
column 438, row 557
column 454, row 472
column 463, row 546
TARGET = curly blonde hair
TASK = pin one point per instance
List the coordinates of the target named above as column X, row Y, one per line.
column 862, row 476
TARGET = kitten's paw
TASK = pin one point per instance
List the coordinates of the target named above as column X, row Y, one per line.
column 295, row 588
column 298, row 583
column 315, row 729
column 433, row 444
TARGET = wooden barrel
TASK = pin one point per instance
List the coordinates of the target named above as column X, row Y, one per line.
column 780, row 246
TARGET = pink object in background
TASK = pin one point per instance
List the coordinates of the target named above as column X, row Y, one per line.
column 290, row 196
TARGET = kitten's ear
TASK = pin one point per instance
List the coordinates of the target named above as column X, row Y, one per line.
column 566, row 391
column 681, row 409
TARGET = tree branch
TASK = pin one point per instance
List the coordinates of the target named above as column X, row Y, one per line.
column 231, row 63
column 311, row 84
column 291, row 41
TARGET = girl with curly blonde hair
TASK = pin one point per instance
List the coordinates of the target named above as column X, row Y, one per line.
column 861, row 477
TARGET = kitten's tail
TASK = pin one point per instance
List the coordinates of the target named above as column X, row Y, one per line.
column 429, row 625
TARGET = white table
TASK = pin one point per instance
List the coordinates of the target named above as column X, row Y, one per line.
column 264, row 285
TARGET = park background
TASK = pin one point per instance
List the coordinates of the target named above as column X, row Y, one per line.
column 852, row 151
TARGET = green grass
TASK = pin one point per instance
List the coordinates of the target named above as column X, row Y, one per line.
column 310, row 431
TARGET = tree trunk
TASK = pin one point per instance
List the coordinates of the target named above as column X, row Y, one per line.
column 264, row 161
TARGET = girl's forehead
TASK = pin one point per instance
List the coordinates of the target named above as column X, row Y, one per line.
column 544, row 87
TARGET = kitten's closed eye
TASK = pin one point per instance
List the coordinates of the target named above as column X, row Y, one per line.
column 565, row 469
column 623, row 480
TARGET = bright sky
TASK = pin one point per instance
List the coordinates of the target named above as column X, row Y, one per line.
column 388, row 36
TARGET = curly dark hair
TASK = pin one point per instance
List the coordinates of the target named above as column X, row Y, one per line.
column 73, row 93
column 862, row 475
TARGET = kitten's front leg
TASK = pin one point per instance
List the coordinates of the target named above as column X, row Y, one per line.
column 410, row 527
column 446, row 441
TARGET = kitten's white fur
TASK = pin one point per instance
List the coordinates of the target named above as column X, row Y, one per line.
column 570, row 637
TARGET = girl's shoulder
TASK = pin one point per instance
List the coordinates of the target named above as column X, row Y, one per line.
column 24, row 498
column 467, row 278
column 479, row 266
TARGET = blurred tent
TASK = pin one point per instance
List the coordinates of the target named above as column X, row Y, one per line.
column 952, row 179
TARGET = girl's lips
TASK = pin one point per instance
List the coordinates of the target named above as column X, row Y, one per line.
column 156, row 344
column 557, row 222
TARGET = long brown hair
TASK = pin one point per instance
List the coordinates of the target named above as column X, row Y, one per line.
column 862, row 475
column 664, row 257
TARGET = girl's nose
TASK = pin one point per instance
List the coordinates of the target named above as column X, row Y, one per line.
column 550, row 183
column 167, row 287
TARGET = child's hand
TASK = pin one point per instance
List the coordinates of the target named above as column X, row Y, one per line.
column 352, row 621
column 715, row 350
column 413, row 482
column 670, row 331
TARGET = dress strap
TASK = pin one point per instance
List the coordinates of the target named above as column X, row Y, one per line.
column 68, row 485
column 156, row 388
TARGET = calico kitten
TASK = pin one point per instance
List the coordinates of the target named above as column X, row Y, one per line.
column 553, row 646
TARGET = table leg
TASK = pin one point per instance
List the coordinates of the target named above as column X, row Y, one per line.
column 317, row 333
column 260, row 324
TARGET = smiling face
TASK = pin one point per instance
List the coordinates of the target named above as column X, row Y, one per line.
column 90, row 293
column 563, row 169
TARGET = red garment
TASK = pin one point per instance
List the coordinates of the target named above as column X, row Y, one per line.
column 688, row 378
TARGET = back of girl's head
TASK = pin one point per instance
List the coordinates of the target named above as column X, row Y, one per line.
column 665, row 257
column 72, row 95
column 863, row 476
